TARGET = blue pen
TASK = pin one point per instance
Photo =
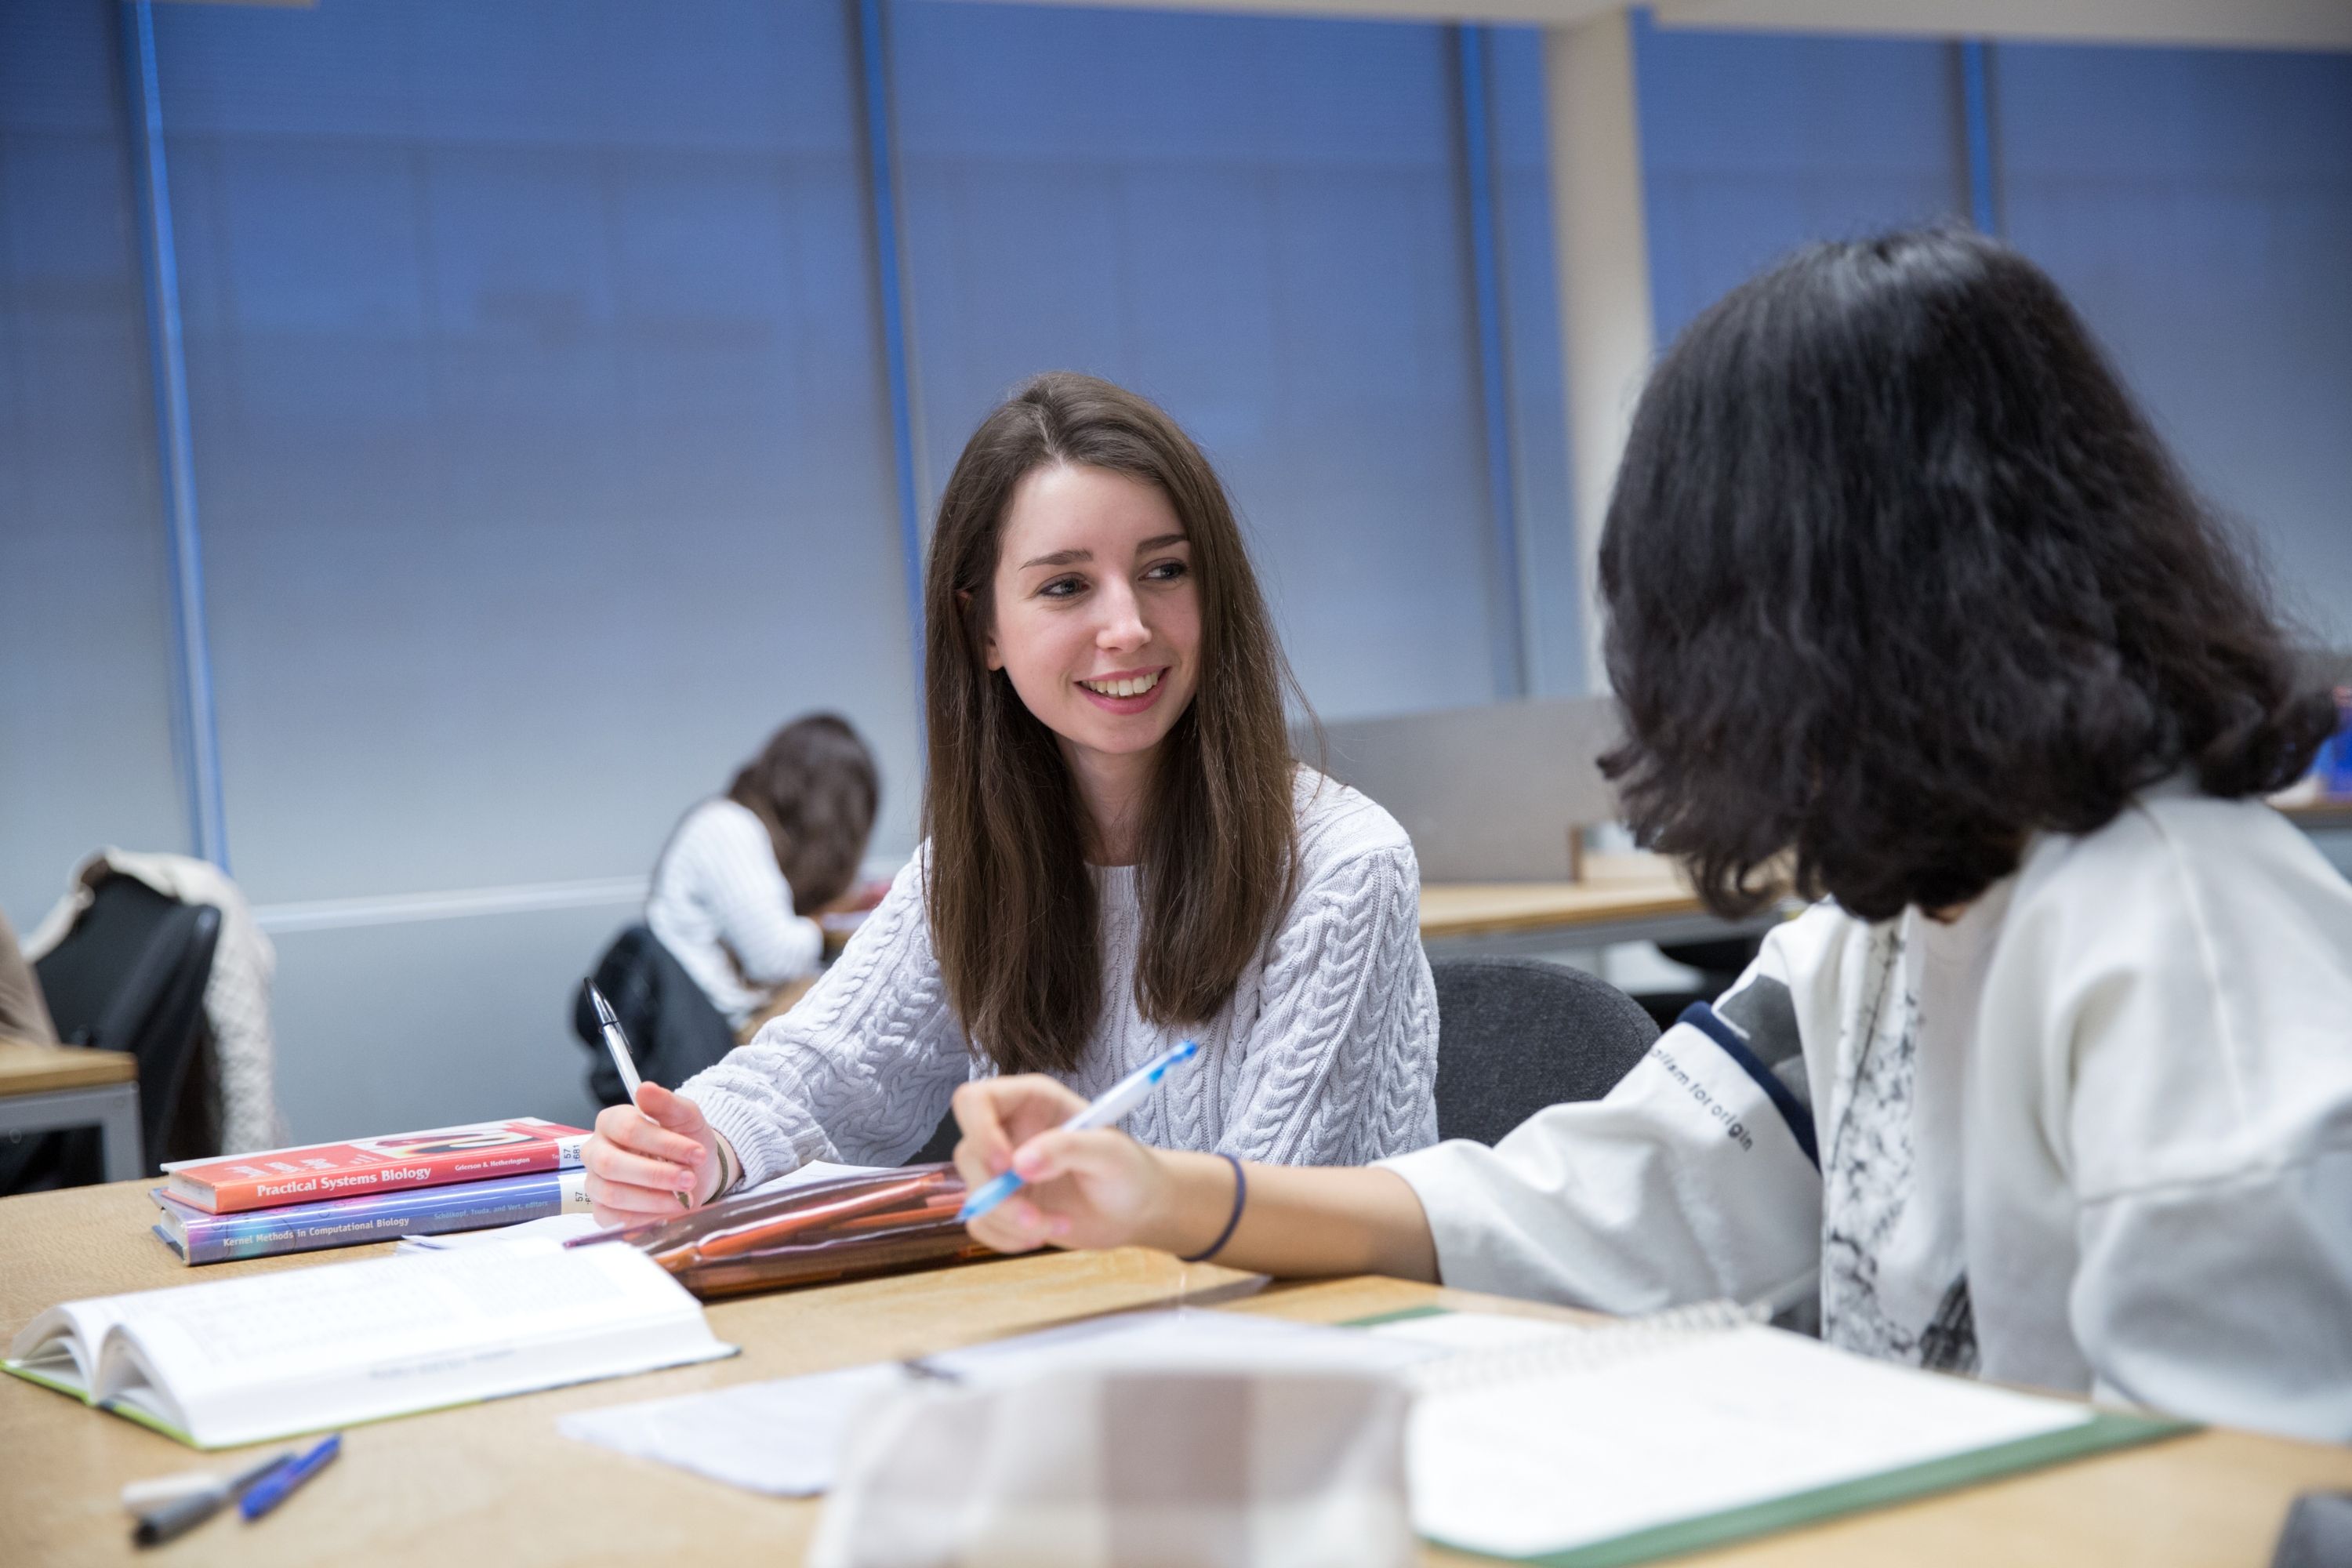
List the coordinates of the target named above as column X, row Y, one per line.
column 1116, row 1102
column 278, row 1484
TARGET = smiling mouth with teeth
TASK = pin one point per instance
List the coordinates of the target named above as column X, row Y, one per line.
column 1134, row 686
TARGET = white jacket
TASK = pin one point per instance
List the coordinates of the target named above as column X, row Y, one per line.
column 2093, row 1134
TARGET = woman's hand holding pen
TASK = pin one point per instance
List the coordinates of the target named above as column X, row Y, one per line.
column 645, row 1158
column 1100, row 1188
column 1091, row 1189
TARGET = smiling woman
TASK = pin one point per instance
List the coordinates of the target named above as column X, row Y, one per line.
column 1120, row 852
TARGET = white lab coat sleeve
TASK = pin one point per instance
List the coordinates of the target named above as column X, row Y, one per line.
column 2200, row 1089
column 1693, row 1179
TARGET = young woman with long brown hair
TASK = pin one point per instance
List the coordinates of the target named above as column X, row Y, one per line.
column 1120, row 852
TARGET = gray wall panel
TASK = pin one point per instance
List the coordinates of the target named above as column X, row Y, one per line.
column 424, row 1024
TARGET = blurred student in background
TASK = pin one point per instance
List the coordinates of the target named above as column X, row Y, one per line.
column 734, row 889
column 2053, row 1084
column 1121, row 852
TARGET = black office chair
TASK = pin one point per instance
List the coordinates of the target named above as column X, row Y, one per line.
column 1718, row 964
column 130, row 976
column 674, row 1031
column 1515, row 1035
column 941, row 1146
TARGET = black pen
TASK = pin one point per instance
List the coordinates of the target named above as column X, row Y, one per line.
column 617, row 1043
column 177, row 1518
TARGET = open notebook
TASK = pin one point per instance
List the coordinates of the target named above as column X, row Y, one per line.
column 1622, row 1445
column 239, row 1361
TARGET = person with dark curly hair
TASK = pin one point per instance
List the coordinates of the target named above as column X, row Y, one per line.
column 1908, row 608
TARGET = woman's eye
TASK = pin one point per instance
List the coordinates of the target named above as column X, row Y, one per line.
column 1165, row 572
column 1061, row 588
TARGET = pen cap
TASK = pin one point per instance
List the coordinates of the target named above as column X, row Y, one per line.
column 159, row 1525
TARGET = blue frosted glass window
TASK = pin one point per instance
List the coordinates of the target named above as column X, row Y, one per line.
column 1259, row 224
column 539, row 425
column 1755, row 144
column 2198, row 206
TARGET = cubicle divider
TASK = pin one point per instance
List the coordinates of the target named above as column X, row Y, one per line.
column 1496, row 792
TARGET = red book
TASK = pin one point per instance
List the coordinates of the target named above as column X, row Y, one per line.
column 317, row 1171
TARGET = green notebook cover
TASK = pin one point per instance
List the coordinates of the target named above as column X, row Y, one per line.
column 128, row 1412
column 157, row 1423
column 2107, row 1431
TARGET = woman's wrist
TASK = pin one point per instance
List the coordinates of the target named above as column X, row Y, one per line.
column 1195, row 1200
column 731, row 1170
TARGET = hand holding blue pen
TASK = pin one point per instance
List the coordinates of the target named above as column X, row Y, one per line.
column 1105, row 1111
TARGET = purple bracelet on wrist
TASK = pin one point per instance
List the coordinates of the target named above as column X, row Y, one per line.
column 1241, row 1195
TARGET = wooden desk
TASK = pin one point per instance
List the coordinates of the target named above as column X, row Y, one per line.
column 1621, row 900
column 2324, row 814
column 497, row 1482
column 1545, row 917
column 42, row 1087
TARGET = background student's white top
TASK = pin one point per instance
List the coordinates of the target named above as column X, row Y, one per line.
column 719, row 903
column 2093, row 1134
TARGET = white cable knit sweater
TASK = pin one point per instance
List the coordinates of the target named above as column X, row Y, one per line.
column 1327, row 1055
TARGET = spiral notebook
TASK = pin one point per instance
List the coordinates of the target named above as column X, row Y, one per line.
column 1667, row 1436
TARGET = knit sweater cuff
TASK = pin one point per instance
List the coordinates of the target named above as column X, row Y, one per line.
column 765, row 1146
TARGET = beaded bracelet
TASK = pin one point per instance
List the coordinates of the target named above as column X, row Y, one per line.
column 1241, row 1195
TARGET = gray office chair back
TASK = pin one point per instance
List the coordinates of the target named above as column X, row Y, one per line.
column 1515, row 1035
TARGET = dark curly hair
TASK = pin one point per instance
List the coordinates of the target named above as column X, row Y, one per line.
column 1897, row 576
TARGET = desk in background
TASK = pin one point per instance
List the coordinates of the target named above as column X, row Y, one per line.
column 1619, row 897
column 2328, row 814
column 1640, row 898
column 1502, row 918
column 47, row 1087
column 497, row 1482
column 2328, row 821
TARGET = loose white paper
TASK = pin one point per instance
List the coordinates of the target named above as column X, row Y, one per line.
column 786, row 1437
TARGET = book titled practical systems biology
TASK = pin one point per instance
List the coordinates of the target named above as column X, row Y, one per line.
column 315, row 1172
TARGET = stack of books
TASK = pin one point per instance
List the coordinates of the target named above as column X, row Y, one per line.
column 370, row 1189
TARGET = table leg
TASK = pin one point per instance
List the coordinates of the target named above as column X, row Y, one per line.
column 119, row 1133
column 115, row 1107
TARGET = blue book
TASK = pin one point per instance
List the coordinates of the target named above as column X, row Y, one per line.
column 202, row 1237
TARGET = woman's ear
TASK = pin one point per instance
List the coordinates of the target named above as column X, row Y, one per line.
column 988, row 639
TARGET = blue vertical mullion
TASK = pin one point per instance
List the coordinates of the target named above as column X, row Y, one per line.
column 1509, row 638
column 191, row 640
column 1976, row 113
column 882, row 192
